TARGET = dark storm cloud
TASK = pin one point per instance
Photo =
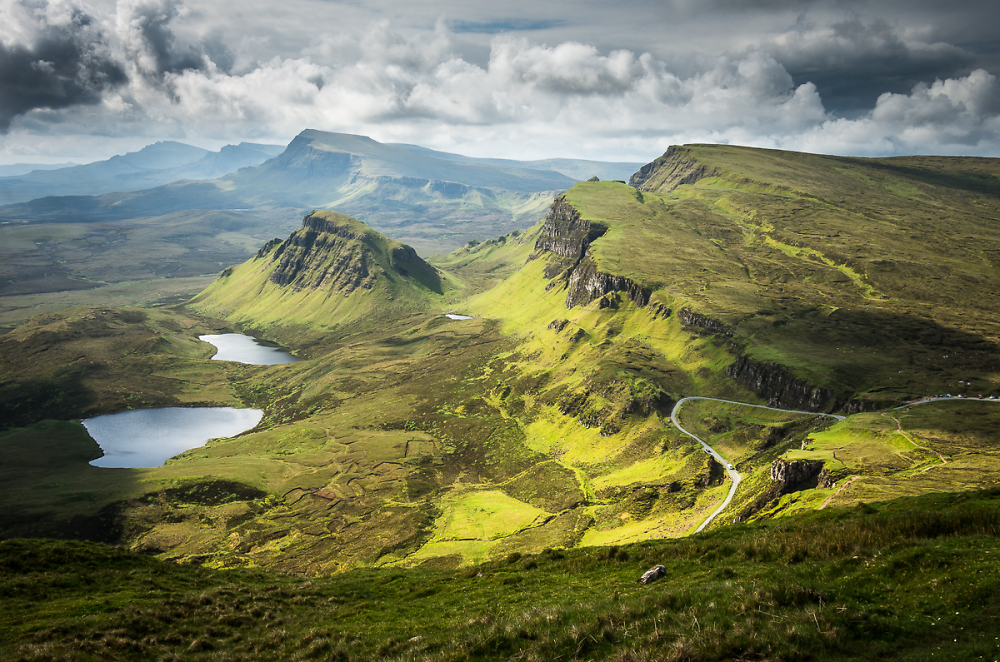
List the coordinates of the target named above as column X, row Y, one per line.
column 614, row 80
column 852, row 62
column 152, row 21
column 218, row 51
column 66, row 65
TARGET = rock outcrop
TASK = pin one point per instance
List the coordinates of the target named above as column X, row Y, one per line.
column 659, row 311
column 690, row 318
column 676, row 167
column 337, row 253
column 794, row 472
column 778, row 386
column 861, row 406
column 318, row 257
column 585, row 283
column 568, row 237
column 267, row 248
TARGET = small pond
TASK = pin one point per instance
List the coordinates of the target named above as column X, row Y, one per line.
column 149, row 437
column 247, row 349
column 452, row 316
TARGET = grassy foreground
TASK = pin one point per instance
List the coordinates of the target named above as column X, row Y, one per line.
column 910, row 579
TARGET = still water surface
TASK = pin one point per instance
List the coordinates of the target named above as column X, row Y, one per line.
column 149, row 437
column 247, row 349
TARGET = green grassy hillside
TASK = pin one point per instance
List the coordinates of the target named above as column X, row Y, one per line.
column 492, row 487
column 334, row 271
column 912, row 579
column 405, row 438
column 870, row 277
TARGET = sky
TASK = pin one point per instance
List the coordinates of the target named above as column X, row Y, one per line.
column 595, row 79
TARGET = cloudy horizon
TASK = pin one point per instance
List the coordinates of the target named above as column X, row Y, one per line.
column 82, row 81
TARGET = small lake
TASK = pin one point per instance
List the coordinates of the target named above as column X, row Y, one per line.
column 452, row 316
column 247, row 349
column 149, row 437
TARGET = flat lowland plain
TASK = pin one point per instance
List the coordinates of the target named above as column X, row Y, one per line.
column 162, row 260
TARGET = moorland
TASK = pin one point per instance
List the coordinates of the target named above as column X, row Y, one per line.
column 498, row 483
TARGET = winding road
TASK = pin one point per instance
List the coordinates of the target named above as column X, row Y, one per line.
column 733, row 474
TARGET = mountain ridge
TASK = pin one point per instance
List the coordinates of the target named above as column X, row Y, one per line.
column 433, row 204
column 413, row 471
column 154, row 165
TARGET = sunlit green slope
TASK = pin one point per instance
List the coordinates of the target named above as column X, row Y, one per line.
column 873, row 278
column 334, row 271
column 695, row 277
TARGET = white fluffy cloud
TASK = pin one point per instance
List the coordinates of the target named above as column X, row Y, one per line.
column 419, row 90
column 952, row 116
column 525, row 100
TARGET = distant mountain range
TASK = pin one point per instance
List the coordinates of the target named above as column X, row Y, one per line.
column 17, row 169
column 576, row 169
column 435, row 201
column 153, row 165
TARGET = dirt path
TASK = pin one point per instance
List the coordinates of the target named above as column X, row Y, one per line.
column 899, row 428
column 842, row 488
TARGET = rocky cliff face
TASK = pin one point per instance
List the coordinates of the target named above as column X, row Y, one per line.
column 585, row 283
column 676, row 167
column 690, row 318
column 565, row 235
column 267, row 248
column 337, row 253
column 568, row 237
column 777, row 384
column 794, row 472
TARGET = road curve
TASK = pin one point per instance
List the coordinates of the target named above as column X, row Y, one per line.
column 733, row 474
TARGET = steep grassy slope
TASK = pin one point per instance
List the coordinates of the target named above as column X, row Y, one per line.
column 870, row 277
column 648, row 264
column 334, row 271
